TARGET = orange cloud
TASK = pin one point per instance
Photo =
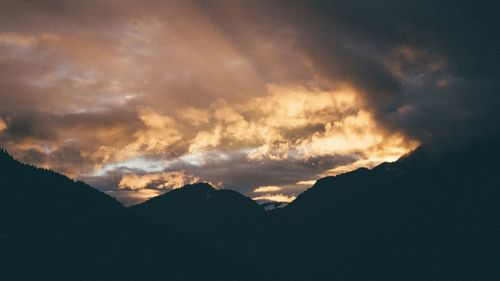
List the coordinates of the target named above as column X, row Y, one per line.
column 3, row 125
column 155, row 86
column 16, row 39
column 275, row 198
column 132, row 197
column 306, row 182
column 164, row 180
column 267, row 188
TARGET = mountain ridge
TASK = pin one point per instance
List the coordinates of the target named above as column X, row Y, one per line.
column 55, row 228
column 203, row 211
column 423, row 217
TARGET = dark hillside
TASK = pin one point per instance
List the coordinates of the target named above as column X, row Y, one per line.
column 54, row 228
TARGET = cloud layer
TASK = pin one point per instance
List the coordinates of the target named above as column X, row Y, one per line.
column 139, row 98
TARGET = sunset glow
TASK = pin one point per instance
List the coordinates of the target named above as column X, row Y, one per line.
column 249, row 140
column 138, row 96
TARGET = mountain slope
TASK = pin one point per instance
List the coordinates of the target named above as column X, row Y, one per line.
column 54, row 228
column 54, row 225
column 423, row 217
column 221, row 217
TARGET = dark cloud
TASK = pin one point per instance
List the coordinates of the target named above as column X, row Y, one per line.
column 449, row 102
column 241, row 93
column 68, row 142
column 357, row 41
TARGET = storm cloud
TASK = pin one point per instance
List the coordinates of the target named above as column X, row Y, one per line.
column 140, row 97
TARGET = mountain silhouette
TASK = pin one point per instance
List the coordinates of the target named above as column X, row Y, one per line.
column 221, row 217
column 423, row 217
column 427, row 216
column 54, row 228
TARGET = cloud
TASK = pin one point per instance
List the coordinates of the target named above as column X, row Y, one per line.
column 306, row 182
column 164, row 180
column 16, row 39
column 242, row 94
column 268, row 188
column 3, row 125
column 129, row 198
column 275, row 198
column 397, row 58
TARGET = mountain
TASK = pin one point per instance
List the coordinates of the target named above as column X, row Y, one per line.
column 427, row 216
column 423, row 217
column 221, row 217
column 271, row 205
column 54, row 228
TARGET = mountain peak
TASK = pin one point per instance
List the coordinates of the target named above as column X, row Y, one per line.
column 200, row 186
column 202, row 211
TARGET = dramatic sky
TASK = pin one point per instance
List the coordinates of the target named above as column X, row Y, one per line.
column 264, row 97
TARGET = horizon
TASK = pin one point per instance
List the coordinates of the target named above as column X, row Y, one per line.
column 278, row 199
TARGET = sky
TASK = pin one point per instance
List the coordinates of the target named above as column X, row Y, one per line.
column 264, row 97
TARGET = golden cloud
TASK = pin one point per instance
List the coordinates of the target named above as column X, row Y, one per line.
column 291, row 118
column 16, row 39
column 267, row 188
column 275, row 198
column 132, row 197
column 306, row 182
column 3, row 125
column 163, row 180
column 189, row 89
